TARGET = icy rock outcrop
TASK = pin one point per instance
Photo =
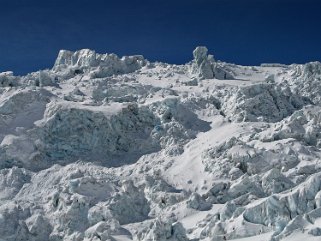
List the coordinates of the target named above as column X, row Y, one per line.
column 205, row 67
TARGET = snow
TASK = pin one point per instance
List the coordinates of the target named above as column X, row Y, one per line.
column 102, row 147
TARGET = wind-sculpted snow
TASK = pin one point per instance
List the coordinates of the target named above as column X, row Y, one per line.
column 111, row 148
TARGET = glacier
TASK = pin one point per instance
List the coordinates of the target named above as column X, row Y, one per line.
column 101, row 147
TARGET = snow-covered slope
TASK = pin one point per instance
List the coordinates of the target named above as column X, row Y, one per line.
column 107, row 148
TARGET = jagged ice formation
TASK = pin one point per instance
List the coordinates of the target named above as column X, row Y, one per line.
column 107, row 148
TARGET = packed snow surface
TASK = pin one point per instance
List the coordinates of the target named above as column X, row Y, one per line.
column 117, row 149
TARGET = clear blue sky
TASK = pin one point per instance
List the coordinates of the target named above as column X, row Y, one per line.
column 246, row 32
